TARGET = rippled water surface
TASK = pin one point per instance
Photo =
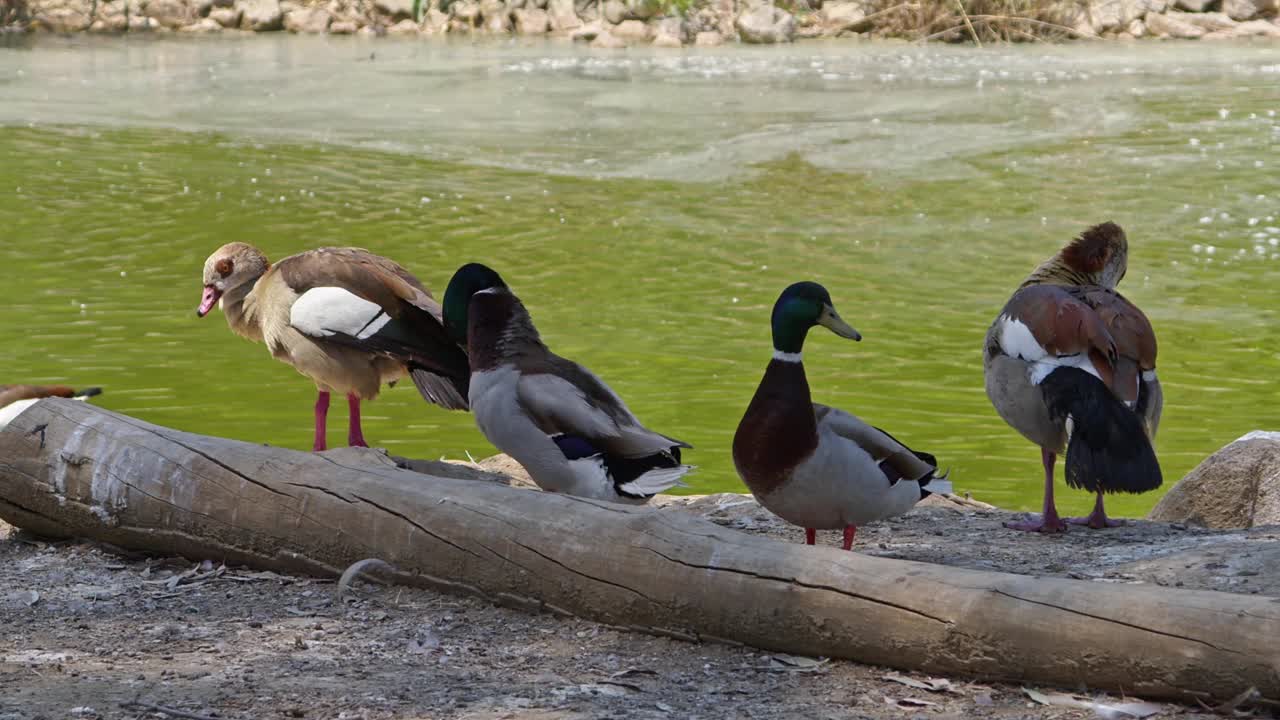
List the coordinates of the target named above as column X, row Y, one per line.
column 648, row 207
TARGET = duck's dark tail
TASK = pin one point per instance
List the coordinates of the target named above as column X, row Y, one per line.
column 1108, row 450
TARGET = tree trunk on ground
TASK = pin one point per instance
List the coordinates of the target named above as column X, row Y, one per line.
column 70, row 469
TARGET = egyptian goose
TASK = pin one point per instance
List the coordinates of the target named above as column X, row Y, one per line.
column 816, row 466
column 1071, row 364
column 568, row 429
column 16, row 398
column 344, row 317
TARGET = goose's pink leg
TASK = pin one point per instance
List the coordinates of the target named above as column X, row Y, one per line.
column 355, row 437
column 322, row 413
column 849, row 532
column 810, row 536
column 1097, row 519
column 1049, row 521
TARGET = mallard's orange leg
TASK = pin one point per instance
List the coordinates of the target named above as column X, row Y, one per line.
column 849, row 532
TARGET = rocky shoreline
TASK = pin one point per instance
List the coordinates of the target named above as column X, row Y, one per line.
column 662, row 23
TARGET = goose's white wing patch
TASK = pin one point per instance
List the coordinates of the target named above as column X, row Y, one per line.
column 561, row 403
column 1017, row 340
column 323, row 311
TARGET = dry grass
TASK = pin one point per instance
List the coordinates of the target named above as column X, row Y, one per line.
column 981, row 21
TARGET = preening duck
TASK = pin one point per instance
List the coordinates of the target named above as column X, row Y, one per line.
column 344, row 317
column 816, row 466
column 556, row 418
column 1071, row 364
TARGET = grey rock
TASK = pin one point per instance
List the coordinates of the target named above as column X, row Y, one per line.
column 608, row 40
column 708, row 38
column 465, row 11
column 343, row 27
column 562, row 16
column 394, row 9
column 614, row 11
column 404, row 28
column 1108, row 14
column 631, row 31
column 704, row 19
column 204, row 7
column 1169, row 25
column 588, row 32
column 674, row 27
column 64, row 17
column 1249, row 9
column 170, row 13
column 532, row 21
column 495, row 16
column 643, row 9
column 1236, row 487
column 1209, row 21
column 112, row 17
column 838, row 17
column 436, row 22
column 765, row 25
column 1258, row 28
column 307, row 20
column 260, row 15
column 227, row 17
column 203, row 26
column 667, row 40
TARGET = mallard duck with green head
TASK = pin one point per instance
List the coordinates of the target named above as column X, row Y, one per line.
column 816, row 466
column 569, row 430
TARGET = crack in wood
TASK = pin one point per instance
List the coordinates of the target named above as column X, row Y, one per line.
column 803, row 584
column 1103, row 618
column 579, row 573
column 225, row 466
column 320, row 489
column 419, row 526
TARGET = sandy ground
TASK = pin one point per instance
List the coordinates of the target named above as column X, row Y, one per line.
column 85, row 633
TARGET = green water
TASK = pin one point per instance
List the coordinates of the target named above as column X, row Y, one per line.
column 648, row 208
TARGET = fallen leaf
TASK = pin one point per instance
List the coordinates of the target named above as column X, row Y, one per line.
column 1135, row 710
column 1108, row 711
column 909, row 682
column 796, row 663
column 664, row 707
column 939, row 685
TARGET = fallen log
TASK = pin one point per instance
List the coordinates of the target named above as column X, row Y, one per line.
column 70, row 469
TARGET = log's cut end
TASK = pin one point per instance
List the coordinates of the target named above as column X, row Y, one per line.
column 68, row 468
